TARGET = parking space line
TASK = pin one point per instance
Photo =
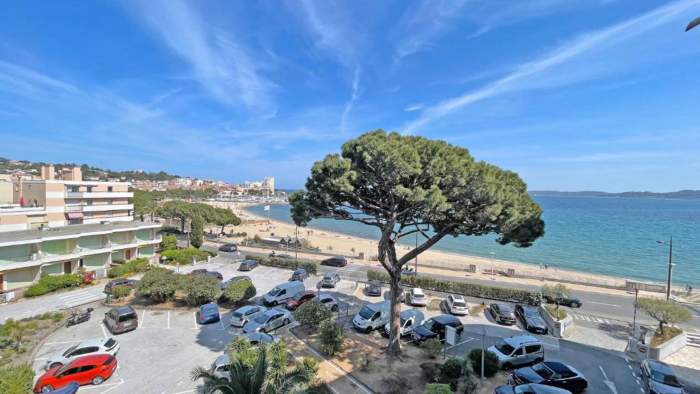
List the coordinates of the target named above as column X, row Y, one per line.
column 167, row 327
column 104, row 332
column 143, row 317
column 194, row 319
column 221, row 325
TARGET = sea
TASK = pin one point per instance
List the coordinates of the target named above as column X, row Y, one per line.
column 615, row 236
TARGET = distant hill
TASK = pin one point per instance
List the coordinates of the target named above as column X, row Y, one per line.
column 7, row 165
column 681, row 194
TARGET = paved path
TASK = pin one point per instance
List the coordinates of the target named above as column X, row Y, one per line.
column 28, row 307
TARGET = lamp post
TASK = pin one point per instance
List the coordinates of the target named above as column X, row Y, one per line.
column 296, row 243
column 670, row 266
column 493, row 266
column 416, row 269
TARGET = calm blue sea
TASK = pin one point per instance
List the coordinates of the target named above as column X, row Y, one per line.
column 611, row 236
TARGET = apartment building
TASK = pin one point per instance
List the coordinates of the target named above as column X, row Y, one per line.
column 27, row 255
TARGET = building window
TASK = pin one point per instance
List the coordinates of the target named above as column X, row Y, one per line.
column 110, row 188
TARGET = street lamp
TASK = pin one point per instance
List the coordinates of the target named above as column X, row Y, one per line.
column 493, row 266
column 670, row 265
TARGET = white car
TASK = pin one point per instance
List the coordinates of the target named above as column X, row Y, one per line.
column 329, row 301
column 244, row 314
column 89, row 347
column 456, row 305
column 416, row 297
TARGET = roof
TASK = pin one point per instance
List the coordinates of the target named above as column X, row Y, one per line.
column 92, row 342
column 660, row 367
column 519, row 339
column 71, row 231
column 445, row 318
column 125, row 309
column 89, row 360
column 222, row 360
column 247, row 308
column 417, row 290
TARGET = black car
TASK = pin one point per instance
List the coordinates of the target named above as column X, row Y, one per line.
column 659, row 378
column 248, row 265
column 228, row 248
column 130, row 283
column 336, row 261
column 435, row 328
column 532, row 388
column 209, row 274
column 551, row 373
column 373, row 289
column 299, row 274
column 531, row 319
column 502, row 313
column 235, row 279
column 564, row 300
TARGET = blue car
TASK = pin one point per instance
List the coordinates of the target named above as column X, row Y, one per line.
column 71, row 388
column 208, row 313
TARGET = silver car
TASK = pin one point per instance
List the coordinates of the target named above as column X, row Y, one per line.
column 84, row 348
column 244, row 314
column 329, row 301
column 220, row 367
column 330, row 279
column 270, row 320
column 256, row 338
column 456, row 305
column 416, row 297
column 518, row 350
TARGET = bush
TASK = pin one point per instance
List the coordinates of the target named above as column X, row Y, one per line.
column 396, row 383
column 50, row 283
column 159, row 284
column 490, row 362
column 450, row 372
column 310, row 266
column 311, row 313
column 331, row 336
column 437, row 388
column 128, row 268
column 197, row 233
column 201, row 290
column 464, row 288
column 557, row 313
column 431, row 371
column 16, row 379
column 664, row 312
column 169, row 242
column 239, row 291
column 432, row 347
column 120, row 291
column 183, row 256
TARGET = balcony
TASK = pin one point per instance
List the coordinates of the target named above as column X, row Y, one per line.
column 107, row 207
column 99, row 194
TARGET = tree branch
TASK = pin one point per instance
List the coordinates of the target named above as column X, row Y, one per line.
column 424, row 246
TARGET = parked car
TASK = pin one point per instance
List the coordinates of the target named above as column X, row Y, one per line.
column 281, row 293
column 532, row 388
column 198, row 271
column 336, row 261
column 551, row 373
column 300, row 298
column 93, row 369
column 563, row 299
column 435, row 328
column 280, row 255
column 373, row 289
column 228, row 248
column 120, row 320
column 130, row 283
column 659, row 378
column 227, row 282
column 256, row 338
column 90, row 346
column 408, row 271
column 270, row 320
column 456, row 304
column 70, row 388
column 330, row 279
column 530, row 318
column 408, row 320
column 221, row 367
column 299, row 274
column 244, row 314
column 208, row 313
column 248, row 265
column 416, row 297
column 371, row 316
column 518, row 350
column 502, row 313
column 329, row 301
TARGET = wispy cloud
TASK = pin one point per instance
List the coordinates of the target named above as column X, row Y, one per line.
column 22, row 80
column 414, row 107
column 421, row 25
column 354, row 95
column 522, row 76
column 221, row 64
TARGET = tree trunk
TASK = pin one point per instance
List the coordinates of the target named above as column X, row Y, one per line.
column 223, row 228
column 394, row 319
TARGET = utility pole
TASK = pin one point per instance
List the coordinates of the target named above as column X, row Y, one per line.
column 670, row 266
column 416, row 268
column 296, row 244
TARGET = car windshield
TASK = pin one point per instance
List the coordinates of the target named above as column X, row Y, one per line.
column 663, row 378
column 543, row 371
column 366, row 312
column 459, row 303
column 70, row 349
column 236, row 314
column 274, row 292
column 261, row 319
column 110, row 342
column 429, row 324
column 298, row 296
column 504, row 348
column 418, row 295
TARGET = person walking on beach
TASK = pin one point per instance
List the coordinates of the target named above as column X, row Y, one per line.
column 546, row 266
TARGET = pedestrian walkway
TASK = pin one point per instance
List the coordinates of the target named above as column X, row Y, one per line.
column 28, row 307
column 693, row 339
column 590, row 318
column 81, row 297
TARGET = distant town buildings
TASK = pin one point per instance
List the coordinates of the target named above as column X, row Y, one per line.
column 266, row 187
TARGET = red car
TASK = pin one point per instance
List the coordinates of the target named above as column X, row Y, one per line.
column 300, row 298
column 93, row 369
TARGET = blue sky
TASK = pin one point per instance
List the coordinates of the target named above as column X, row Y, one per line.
column 573, row 95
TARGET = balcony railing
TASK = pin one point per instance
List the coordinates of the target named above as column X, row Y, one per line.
column 70, row 194
column 107, row 207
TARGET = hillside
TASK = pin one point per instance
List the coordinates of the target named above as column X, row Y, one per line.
column 7, row 166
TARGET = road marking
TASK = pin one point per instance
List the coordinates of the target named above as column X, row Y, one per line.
column 194, row 319
column 104, row 332
column 111, row 386
column 143, row 317
column 221, row 325
column 168, row 326
column 186, row 392
column 602, row 303
column 608, row 382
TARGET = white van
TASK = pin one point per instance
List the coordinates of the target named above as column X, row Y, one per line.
column 281, row 293
column 518, row 350
column 372, row 316
column 408, row 319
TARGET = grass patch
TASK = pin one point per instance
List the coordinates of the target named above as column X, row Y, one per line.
column 19, row 337
column 669, row 333
column 558, row 314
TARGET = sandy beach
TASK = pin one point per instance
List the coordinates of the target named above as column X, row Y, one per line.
column 438, row 262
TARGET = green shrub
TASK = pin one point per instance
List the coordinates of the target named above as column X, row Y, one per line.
column 120, row 291
column 183, row 256
column 50, row 283
column 490, row 362
column 16, row 379
column 239, row 291
column 197, row 233
column 159, row 284
column 432, row 347
column 437, row 388
column 312, row 313
column 169, row 242
column 130, row 267
column 310, row 266
column 557, row 313
column 331, row 336
column 201, row 290
column 431, row 371
column 450, row 372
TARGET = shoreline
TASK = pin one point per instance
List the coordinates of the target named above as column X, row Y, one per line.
column 333, row 242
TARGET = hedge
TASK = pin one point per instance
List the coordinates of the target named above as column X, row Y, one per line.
column 16, row 379
column 120, row 291
column 310, row 266
column 464, row 288
column 50, row 283
column 128, row 268
column 183, row 256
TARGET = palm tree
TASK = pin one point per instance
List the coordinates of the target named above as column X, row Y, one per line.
column 693, row 23
column 258, row 379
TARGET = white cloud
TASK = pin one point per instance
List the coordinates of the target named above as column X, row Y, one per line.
column 222, row 65
column 525, row 74
column 17, row 79
column 414, row 107
column 354, row 95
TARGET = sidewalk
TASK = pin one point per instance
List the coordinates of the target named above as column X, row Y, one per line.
column 28, row 307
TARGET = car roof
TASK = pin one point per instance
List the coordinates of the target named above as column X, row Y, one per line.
column 324, row 296
column 417, row 290
column 249, row 261
column 122, row 310
column 520, row 339
column 92, row 342
column 559, row 367
column 660, row 367
column 222, row 360
column 246, row 308
column 210, row 305
column 457, row 297
column 89, row 360
column 408, row 313
column 299, row 270
column 330, row 274
column 272, row 311
column 445, row 319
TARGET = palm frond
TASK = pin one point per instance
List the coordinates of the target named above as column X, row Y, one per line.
column 693, row 23
column 210, row 382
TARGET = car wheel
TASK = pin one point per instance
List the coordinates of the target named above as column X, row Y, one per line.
column 335, row 308
column 286, row 321
column 97, row 380
column 54, row 365
column 539, row 360
column 47, row 389
column 368, row 330
column 575, row 305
